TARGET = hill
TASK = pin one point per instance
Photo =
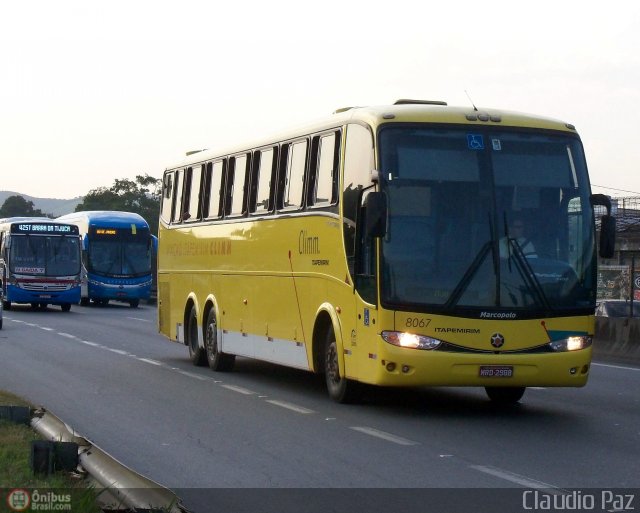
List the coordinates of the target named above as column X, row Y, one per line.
column 55, row 207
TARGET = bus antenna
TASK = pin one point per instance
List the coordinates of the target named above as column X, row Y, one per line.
column 474, row 106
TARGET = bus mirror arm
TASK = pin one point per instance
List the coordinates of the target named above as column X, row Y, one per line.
column 607, row 226
column 375, row 214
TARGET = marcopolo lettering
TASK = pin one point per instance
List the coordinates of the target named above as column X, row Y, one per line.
column 498, row 315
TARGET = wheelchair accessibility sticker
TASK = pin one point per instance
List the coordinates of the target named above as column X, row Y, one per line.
column 475, row 142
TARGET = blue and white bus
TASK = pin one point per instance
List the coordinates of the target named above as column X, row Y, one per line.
column 116, row 253
column 40, row 262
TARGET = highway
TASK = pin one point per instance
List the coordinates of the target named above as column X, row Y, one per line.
column 241, row 437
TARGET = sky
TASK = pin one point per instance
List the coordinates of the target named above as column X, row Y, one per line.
column 91, row 92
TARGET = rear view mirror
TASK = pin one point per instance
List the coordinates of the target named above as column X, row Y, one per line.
column 376, row 214
column 607, row 226
column 607, row 236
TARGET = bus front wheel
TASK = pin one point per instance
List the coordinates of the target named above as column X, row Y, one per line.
column 505, row 395
column 341, row 389
column 65, row 307
column 196, row 353
column 218, row 361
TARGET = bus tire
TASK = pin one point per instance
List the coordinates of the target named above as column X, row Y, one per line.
column 505, row 395
column 217, row 360
column 84, row 301
column 6, row 305
column 196, row 353
column 134, row 303
column 65, row 307
column 341, row 389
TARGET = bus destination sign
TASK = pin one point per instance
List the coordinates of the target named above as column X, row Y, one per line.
column 45, row 228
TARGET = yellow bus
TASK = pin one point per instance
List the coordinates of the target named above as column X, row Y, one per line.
column 412, row 244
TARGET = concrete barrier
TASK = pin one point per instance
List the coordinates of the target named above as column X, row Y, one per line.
column 617, row 339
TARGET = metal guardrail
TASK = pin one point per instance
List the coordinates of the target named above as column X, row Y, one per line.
column 118, row 487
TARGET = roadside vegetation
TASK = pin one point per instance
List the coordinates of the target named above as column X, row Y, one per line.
column 15, row 468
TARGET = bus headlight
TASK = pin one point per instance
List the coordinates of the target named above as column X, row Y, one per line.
column 571, row 343
column 410, row 340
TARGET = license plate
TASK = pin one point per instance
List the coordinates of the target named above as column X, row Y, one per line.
column 496, row 371
column 44, row 296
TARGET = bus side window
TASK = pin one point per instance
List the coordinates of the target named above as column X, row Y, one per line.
column 214, row 178
column 177, row 197
column 186, row 189
column 281, row 172
column 262, row 190
column 192, row 207
column 236, row 186
column 358, row 163
column 167, row 190
column 322, row 179
column 295, row 175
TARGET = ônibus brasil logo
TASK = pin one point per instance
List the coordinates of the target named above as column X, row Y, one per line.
column 18, row 500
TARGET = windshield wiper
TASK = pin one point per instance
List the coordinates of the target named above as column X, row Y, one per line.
column 527, row 273
column 466, row 279
column 461, row 287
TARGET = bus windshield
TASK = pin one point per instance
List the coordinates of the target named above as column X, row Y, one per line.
column 120, row 257
column 39, row 255
column 486, row 219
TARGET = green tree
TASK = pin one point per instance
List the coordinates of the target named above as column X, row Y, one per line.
column 141, row 196
column 18, row 206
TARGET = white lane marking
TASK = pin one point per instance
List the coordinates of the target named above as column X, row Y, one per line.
column 290, row 406
column 615, row 366
column 66, row 335
column 384, row 435
column 138, row 319
column 118, row 351
column 192, row 375
column 45, row 328
column 88, row 343
column 240, row 390
column 148, row 360
column 514, row 478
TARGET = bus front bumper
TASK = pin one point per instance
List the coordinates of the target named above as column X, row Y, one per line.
column 408, row 367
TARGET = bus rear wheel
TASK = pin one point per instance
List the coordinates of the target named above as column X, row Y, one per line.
column 65, row 307
column 134, row 303
column 341, row 389
column 505, row 395
column 218, row 361
column 196, row 353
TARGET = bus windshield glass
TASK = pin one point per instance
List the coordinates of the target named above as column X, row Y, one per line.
column 39, row 255
column 486, row 219
column 117, row 257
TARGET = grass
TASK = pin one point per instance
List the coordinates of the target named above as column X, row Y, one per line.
column 15, row 469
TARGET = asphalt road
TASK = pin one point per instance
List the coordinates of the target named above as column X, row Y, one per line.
column 266, row 434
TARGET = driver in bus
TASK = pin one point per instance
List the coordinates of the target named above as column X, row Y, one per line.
column 517, row 234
